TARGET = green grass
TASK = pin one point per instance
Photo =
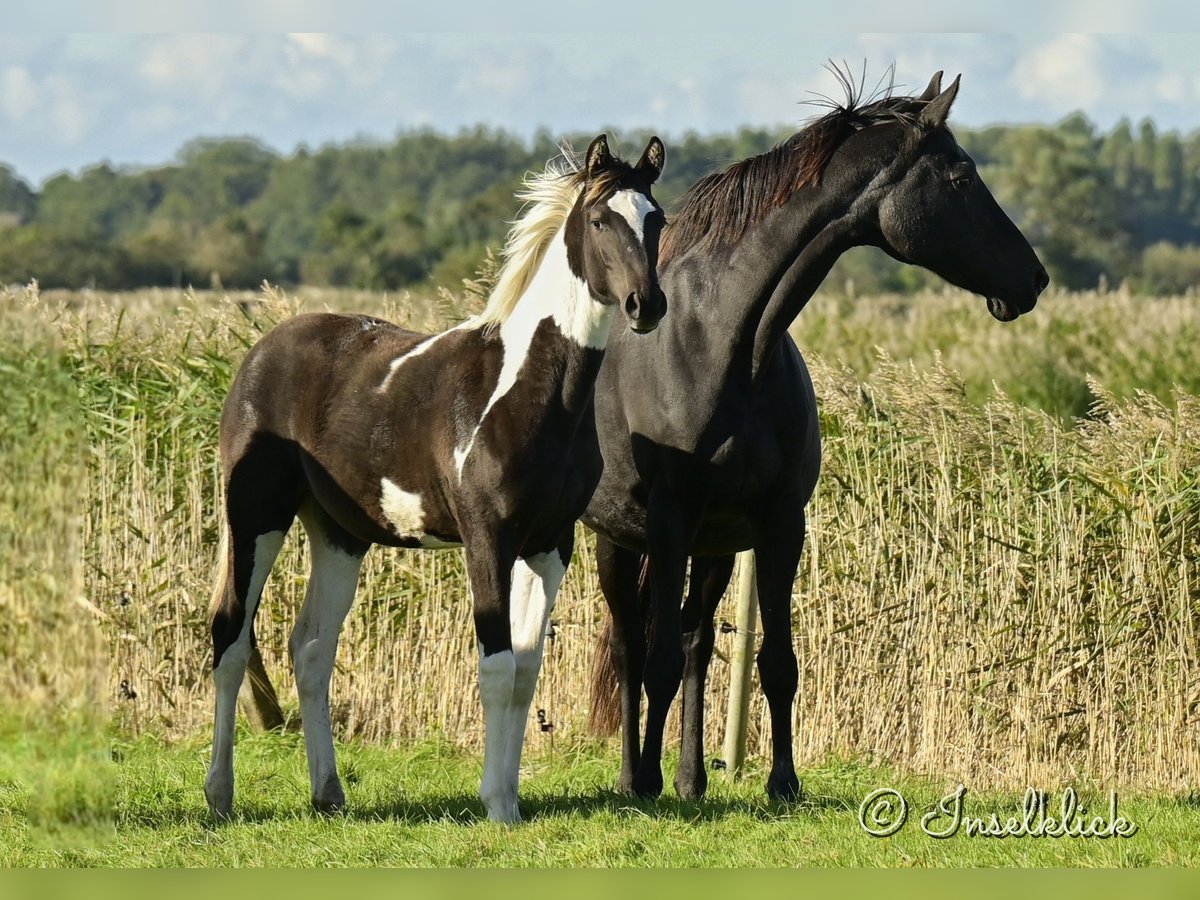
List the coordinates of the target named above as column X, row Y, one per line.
column 415, row 805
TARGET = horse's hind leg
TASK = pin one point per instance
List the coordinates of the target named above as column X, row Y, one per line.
column 710, row 578
column 256, row 526
column 336, row 560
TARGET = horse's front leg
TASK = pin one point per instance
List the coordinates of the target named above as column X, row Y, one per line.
column 490, row 564
column 619, row 570
column 534, row 585
column 777, row 548
column 710, row 578
column 671, row 522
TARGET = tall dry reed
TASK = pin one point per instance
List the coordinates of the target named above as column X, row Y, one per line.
column 988, row 592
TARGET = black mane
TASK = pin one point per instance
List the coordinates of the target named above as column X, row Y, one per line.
column 720, row 207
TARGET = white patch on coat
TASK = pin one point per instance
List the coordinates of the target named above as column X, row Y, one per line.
column 555, row 293
column 403, row 509
column 633, row 206
column 406, row 514
column 416, row 351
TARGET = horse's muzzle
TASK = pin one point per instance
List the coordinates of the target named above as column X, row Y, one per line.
column 644, row 311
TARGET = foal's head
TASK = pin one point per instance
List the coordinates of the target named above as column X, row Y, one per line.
column 934, row 210
column 612, row 232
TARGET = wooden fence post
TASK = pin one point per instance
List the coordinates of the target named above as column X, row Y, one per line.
column 741, row 662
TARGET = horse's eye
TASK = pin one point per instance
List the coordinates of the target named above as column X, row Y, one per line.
column 962, row 182
column 598, row 224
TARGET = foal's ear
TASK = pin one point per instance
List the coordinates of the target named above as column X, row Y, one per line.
column 937, row 110
column 653, row 158
column 934, row 88
column 597, row 157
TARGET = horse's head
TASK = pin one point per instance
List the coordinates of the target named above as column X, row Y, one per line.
column 935, row 211
column 613, row 231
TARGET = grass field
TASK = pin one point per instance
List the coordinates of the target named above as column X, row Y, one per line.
column 415, row 805
column 1000, row 588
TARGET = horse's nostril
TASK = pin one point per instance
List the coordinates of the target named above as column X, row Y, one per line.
column 1040, row 281
column 633, row 305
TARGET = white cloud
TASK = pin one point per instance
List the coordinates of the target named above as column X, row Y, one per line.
column 312, row 42
column 18, row 93
column 53, row 101
column 208, row 65
column 325, row 47
column 1069, row 70
column 67, row 109
column 69, row 102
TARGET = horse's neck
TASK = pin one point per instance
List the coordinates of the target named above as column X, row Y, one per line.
column 558, row 294
column 826, row 230
column 768, row 276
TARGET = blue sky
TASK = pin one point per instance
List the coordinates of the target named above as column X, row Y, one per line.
column 68, row 101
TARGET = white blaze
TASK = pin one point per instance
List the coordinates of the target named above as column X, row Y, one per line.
column 633, row 207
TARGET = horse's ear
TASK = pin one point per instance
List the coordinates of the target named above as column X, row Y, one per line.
column 937, row 110
column 598, row 156
column 653, row 158
column 934, row 88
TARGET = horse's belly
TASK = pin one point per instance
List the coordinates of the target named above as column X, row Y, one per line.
column 381, row 508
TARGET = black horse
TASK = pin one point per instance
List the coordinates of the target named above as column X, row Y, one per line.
column 709, row 426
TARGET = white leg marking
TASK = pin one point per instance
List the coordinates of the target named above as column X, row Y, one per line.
column 554, row 293
column 535, row 583
column 633, row 206
column 496, row 676
column 227, row 678
column 313, row 646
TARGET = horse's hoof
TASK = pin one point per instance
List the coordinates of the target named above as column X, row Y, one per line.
column 331, row 799
column 506, row 814
column 785, row 788
column 220, row 801
column 691, row 788
column 624, row 784
column 648, row 785
column 221, row 814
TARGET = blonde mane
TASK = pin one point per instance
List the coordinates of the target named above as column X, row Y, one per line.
column 548, row 196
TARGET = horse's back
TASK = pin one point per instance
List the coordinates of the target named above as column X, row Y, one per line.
column 286, row 381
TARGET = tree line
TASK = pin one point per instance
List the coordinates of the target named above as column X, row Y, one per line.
column 1122, row 205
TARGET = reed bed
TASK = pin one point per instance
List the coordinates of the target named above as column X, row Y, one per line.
column 50, row 649
column 992, row 589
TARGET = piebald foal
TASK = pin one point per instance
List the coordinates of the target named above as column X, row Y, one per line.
column 477, row 437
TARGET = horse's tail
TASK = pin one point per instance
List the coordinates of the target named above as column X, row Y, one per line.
column 222, row 575
column 604, row 713
column 264, row 702
column 263, row 706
